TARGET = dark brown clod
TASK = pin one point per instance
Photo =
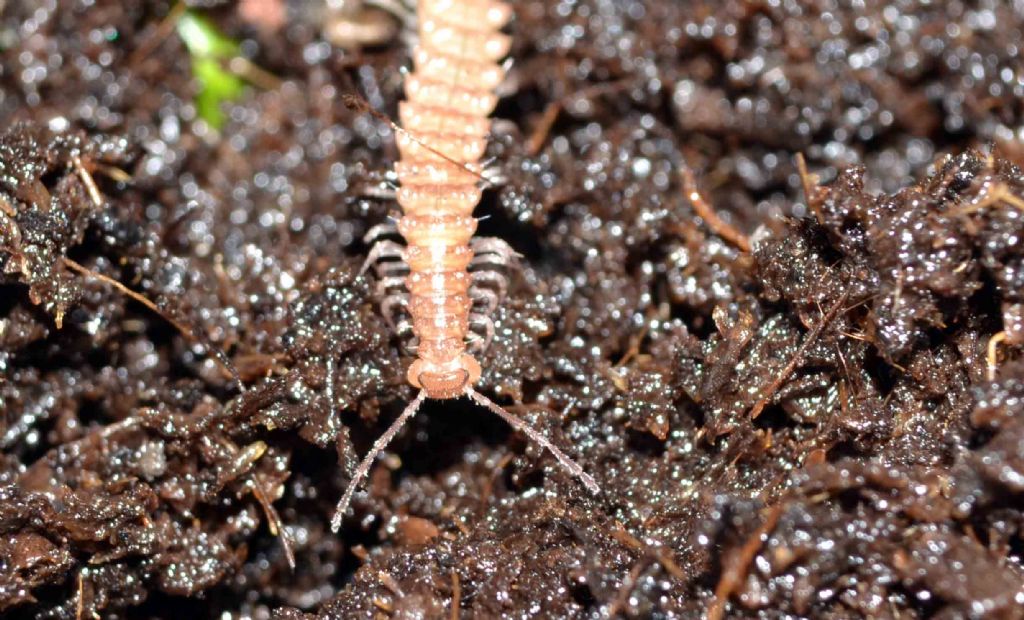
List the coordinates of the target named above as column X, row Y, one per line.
column 881, row 478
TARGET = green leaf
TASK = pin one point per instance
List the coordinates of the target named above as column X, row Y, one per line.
column 217, row 85
column 210, row 50
column 203, row 39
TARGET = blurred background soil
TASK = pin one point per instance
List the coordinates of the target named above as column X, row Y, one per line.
column 800, row 391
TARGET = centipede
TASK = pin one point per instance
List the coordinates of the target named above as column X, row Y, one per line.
column 444, row 279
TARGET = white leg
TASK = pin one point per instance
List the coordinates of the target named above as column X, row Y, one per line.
column 387, row 229
column 390, row 282
column 487, row 323
column 498, row 280
column 388, row 304
column 487, row 296
column 493, row 250
column 385, row 248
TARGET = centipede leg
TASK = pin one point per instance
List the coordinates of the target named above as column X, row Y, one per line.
column 388, row 305
column 475, row 343
column 380, row 231
column 497, row 280
column 384, row 249
column 489, row 298
column 392, row 269
column 388, row 283
column 493, row 250
column 494, row 176
column 403, row 11
column 477, row 318
column 409, row 342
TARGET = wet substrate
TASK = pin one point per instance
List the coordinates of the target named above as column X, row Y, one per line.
column 828, row 423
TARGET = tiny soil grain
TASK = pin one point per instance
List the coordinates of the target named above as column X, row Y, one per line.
column 867, row 303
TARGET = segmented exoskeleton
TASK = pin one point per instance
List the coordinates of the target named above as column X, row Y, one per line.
column 443, row 278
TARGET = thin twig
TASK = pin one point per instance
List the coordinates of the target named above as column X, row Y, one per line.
column 114, row 173
column 103, row 433
column 390, row 583
column 155, row 40
column 80, row 604
column 809, row 340
column 456, row 595
column 219, row 356
column 142, row 299
column 274, row 520
column 810, row 185
column 999, row 194
column 88, row 181
column 717, row 225
column 253, row 73
column 993, row 354
column 734, row 573
column 622, row 535
column 626, row 588
column 543, row 128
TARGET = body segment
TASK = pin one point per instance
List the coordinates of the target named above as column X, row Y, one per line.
column 449, row 96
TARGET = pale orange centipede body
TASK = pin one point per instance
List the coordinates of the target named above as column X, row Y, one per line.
column 449, row 97
column 445, row 126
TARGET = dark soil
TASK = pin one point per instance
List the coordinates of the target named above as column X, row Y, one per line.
column 828, row 425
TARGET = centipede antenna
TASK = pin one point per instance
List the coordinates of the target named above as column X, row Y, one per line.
column 367, row 462
column 515, row 422
column 357, row 103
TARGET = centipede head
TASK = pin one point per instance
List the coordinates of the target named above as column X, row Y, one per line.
column 442, row 381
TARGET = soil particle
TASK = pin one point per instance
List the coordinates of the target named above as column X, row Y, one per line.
column 826, row 425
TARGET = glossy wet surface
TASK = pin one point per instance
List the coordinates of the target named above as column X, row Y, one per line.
column 821, row 426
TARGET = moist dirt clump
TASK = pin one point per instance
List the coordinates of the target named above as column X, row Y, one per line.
column 770, row 295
